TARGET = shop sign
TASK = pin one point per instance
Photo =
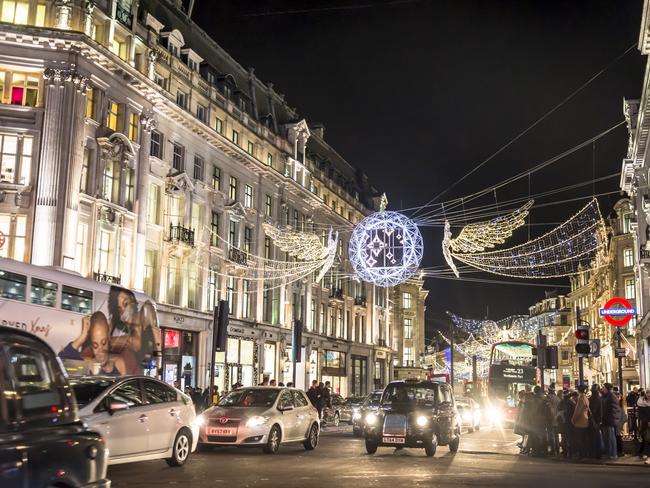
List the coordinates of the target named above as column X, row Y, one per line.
column 179, row 319
column 172, row 339
column 235, row 330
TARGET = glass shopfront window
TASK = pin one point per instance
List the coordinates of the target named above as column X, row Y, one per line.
column 180, row 355
column 359, row 375
column 380, row 374
column 269, row 371
column 334, row 371
column 240, row 358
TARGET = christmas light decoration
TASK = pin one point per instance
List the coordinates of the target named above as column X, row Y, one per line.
column 561, row 252
column 385, row 248
column 302, row 245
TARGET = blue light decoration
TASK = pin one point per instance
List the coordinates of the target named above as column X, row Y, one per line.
column 385, row 248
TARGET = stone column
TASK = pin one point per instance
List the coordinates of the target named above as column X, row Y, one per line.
column 89, row 6
column 151, row 67
column 141, row 206
column 61, row 153
column 63, row 9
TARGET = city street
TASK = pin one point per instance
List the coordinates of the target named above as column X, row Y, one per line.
column 341, row 460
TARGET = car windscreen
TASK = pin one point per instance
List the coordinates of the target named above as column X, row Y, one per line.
column 413, row 395
column 250, row 398
column 87, row 391
column 373, row 399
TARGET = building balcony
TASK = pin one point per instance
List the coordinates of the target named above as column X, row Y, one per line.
column 360, row 301
column 123, row 15
column 336, row 293
column 381, row 342
column 106, row 278
column 237, row 256
column 178, row 233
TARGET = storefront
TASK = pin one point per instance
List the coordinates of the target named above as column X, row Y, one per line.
column 359, row 376
column 333, row 370
column 180, row 357
column 241, row 358
column 287, row 373
column 380, row 371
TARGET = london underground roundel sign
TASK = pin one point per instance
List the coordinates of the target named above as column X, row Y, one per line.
column 618, row 311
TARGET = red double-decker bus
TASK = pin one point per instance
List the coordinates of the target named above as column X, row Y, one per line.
column 511, row 370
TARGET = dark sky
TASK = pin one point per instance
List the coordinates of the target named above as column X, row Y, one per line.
column 416, row 93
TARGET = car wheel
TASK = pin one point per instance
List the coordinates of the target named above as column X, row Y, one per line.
column 453, row 445
column 337, row 419
column 371, row 447
column 431, row 446
column 312, row 439
column 273, row 443
column 181, row 448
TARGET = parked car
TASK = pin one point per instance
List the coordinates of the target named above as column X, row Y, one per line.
column 416, row 413
column 140, row 417
column 341, row 411
column 470, row 413
column 370, row 404
column 43, row 442
column 265, row 417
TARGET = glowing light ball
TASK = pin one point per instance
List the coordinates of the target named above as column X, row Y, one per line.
column 385, row 248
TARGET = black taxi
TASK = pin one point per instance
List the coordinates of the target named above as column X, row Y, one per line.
column 420, row 414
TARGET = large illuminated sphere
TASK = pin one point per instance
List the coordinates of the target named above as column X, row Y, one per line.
column 385, row 248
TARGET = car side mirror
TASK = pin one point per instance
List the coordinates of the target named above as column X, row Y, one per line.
column 113, row 406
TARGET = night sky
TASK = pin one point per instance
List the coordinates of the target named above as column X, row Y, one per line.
column 417, row 93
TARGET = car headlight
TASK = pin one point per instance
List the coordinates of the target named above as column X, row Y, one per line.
column 199, row 421
column 256, row 421
column 494, row 414
column 371, row 419
column 422, row 421
column 356, row 415
column 467, row 416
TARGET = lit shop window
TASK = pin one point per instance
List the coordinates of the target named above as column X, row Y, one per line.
column 15, row 158
column 15, row 12
column 90, row 103
column 41, row 10
column 134, row 126
column 14, row 230
column 113, row 115
column 24, row 89
column 119, row 47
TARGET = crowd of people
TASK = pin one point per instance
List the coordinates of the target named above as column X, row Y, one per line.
column 582, row 423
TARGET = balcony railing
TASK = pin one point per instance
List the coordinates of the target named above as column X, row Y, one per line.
column 361, row 301
column 178, row 233
column 336, row 293
column 123, row 15
column 237, row 256
column 106, row 278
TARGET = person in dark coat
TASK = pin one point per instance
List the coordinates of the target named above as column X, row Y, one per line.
column 312, row 393
column 611, row 420
column 643, row 415
column 571, row 435
column 551, row 404
column 562, row 409
column 596, row 417
column 519, row 427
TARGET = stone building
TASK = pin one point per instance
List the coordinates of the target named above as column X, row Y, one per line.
column 136, row 151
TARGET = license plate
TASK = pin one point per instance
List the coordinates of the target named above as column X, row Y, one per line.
column 222, row 431
column 394, row 440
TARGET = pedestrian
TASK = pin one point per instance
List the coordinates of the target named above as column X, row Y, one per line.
column 537, row 419
column 519, row 427
column 552, row 432
column 571, row 433
column 596, row 420
column 632, row 399
column 611, row 420
column 622, row 421
column 280, row 384
column 562, row 408
column 580, row 421
column 290, row 384
column 643, row 412
column 272, row 383
column 312, row 393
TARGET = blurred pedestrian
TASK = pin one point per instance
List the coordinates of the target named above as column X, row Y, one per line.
column 622, row 421
column 519, row 427
column 319, row 407
column 632, row 399
column 580, row 421
column 596, row 417
column 537, row 416
column 272, row 383
column 290, row 384
column 643, row 412
column 312, row 393
column 571, row 433
column 611, row 419
column 552, row 402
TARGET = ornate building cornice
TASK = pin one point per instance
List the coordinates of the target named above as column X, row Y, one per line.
column 58, row 76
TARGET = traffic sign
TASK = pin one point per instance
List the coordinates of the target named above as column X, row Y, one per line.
column 595, row 348
column 621, row 352
column 618, row 307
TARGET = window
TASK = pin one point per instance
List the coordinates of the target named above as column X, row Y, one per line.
column 40, row 15
column 248, row 239
column 198, row 168
column 193, row 286
column 85, row 169
column 102, row 252
column 232, row 234
column 15, row 12
column 14, row 227
column 134, row 126
column 156, row 144
column 630, row 288
column 214, row 229
column 408, row 328
column 267, row 248
column 149, row 272
column 218, row 125
column 160, row 81
column 12, row 286
column 15, row 158
column 312, row 325
column 269, row 159
column 201, row 113
column 230, row 295
column 212, row 289
column 174, row 278
column 43, row 292
column 128, row 393
column 246, row 298
column 235, row 137
column 153, row 209
column 248, row 196
column 321, row 322
column 628, row 257
column 111, row 181
column 406, row 300
column 409, row 357
column 76, row 299
column 216, row 178
column 155, row 392
column 113, row 115
column 181, row 99
column 119, row 47
column 232, row 192
column 250, row 148
column 627, row 223
column 268, row 205
column 565, row 355
column 90, row 103
column 178, row 157
column 173, row 49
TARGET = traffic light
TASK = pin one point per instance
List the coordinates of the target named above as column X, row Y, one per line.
column 534, row 361
column 582, row 340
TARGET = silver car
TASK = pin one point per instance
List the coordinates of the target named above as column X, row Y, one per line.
column 263, row 417
column 140, row 418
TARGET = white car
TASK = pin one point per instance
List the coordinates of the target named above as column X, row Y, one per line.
column 140, row 418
